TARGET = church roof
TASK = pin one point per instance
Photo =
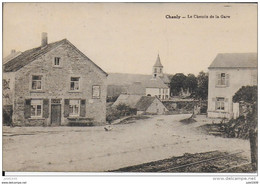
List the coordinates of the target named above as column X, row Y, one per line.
column 145, row 81
column 165, row 79
column 158, row 62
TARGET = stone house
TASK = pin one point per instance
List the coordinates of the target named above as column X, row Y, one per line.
column 227, row 74
column 54, row 84
column 143, row 104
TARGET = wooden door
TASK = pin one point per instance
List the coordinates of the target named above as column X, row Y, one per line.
column 55, row 114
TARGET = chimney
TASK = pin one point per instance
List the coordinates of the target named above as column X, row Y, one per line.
column 44, row 39
column 13, row 51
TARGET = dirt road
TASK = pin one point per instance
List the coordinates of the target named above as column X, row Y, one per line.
column 94, row 149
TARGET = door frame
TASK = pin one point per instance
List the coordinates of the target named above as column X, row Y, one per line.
column 55, row 102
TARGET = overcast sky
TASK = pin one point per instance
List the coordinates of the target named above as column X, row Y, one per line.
column 126, row 37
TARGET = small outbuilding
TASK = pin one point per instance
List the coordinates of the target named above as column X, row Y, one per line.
column 143, row 104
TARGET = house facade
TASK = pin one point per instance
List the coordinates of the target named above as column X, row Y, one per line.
column 227, row 74
column 54, row 84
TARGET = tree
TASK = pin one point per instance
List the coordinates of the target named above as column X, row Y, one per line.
column 202, row 90
column 191, row 83
column 177, row 83
column 247, row 95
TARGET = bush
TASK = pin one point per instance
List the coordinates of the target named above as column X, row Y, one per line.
column 7, row 115
column 119, row 111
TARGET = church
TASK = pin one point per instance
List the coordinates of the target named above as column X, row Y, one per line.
column 157, row 84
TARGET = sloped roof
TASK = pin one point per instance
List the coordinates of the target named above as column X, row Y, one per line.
column 129, row 79
column 130, row 100
column 126, row 78
column 28, row 56
column 11, row 56
column 165, row 79
column 235, row 60
column 136, row 89
column 158, row 62
column 154, row 83
column 144, row 103
column 141, row 103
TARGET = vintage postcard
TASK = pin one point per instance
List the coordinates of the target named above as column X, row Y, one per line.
column 161, row 88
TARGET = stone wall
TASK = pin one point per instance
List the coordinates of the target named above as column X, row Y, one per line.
column 56, row 85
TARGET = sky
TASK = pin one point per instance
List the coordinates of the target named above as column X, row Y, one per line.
column 127, row 37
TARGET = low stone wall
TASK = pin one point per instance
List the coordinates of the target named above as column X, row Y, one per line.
column 186, row 106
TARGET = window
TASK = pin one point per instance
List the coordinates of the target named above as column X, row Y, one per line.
column 220, row 104
column 36, row 82
column 36, row 108
column 74, row 83
column 95, row 91
column 222, row 79
column 74, row 107
column 155, row 70
column 57, row 61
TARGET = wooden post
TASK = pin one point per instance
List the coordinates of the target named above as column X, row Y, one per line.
column 253, row 147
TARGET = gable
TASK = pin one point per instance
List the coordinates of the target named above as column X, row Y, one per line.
column 31, row 55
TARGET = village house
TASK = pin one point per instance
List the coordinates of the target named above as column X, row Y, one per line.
column 227, row 74
column 156, row 84
column 55, row 84
column 143, row 104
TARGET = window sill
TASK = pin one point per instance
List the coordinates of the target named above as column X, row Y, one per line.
column 73, row 117
column 221, row 111
column 57, row 66
column 71, row 91
column 37, row 91
column 221, row 86
column 37, row 118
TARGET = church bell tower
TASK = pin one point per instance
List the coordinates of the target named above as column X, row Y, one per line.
column 158, row 68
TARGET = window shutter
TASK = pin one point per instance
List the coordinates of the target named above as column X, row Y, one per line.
column 45, row 108
column 218, row 76
column 83, row 108
column 66, row 107
column 227, row 80
column 214, row 100
column 27, row 108
column 226, row 105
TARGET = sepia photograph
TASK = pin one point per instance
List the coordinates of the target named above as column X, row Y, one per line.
column 130, row 88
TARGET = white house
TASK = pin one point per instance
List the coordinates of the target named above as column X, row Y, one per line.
column 227, row 74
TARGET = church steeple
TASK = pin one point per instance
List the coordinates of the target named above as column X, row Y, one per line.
column 158, row 68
